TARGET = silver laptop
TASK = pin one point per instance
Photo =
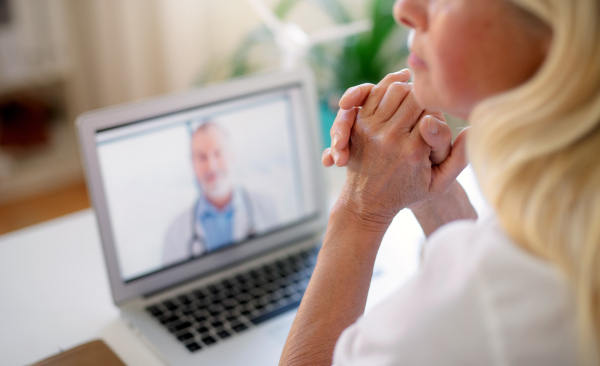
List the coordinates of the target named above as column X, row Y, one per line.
column 210, row 206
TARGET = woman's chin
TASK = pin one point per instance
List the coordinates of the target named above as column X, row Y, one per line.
column 429, row 98
column 424, row 94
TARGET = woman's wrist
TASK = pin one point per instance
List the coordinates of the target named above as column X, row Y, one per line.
column 350, row 231
column 450, row 206
column 359, row 215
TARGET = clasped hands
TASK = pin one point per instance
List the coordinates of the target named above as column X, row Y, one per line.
column 398, row 154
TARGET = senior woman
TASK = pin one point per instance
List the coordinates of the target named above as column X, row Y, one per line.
column 521, row 287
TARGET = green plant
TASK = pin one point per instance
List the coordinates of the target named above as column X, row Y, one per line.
column 366, row 57
column 369, row 56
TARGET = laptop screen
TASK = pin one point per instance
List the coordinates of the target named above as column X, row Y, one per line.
column 193, row 183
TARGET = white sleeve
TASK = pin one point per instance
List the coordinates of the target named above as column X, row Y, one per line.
column 437, row 318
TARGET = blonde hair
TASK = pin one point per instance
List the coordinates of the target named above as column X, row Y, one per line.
column 536, row 152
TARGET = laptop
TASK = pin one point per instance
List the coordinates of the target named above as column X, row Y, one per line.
column 210, row 206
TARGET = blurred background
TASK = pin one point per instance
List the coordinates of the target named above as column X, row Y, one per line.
column 59, row 58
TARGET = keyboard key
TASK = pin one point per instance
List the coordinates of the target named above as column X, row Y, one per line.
column 230, row 304
column 257, row 292
column 239, row 327
column 223, row 334
column 276, row 295
column 221, row 296
column 180, row 326
column 154, row 310
column 244, row 297
column 193, row 347
column 213, row 288
column 168, row 319
column 241, row 278
column 217, row 324
column 261, row 318
column 185, row 336
column 209, row 340
column 202, row 329
column 200, row 318
column 200, row 294
column 170, row 305
column 184, row 299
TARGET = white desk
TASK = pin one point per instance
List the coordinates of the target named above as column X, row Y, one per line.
column 55, row 292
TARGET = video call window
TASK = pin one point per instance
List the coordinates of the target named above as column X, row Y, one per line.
column 189, row 184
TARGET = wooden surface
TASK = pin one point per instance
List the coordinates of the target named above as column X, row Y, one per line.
column 30, row 211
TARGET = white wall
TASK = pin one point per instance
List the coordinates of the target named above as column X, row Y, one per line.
column 131, row 49
column 33, row 46
column 113, row 51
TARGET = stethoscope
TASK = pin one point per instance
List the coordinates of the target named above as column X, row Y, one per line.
column 197, row 241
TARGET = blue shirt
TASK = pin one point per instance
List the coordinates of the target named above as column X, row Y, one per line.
column 217, row 224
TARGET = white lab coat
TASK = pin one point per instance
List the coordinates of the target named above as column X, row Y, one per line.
column 180, row 233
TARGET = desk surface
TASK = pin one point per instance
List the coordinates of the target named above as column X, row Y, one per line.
column 55, row 292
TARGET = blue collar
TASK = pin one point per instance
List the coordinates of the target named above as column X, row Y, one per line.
column 206, row 209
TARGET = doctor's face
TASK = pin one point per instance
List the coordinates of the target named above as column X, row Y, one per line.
column 211, row 159
column 465, row 51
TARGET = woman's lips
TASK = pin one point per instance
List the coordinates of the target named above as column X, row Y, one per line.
column 415, row 62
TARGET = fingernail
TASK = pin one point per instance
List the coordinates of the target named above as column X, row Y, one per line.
column 336, row 156
column 335, row 139
column 403, row 71
column 432, row 125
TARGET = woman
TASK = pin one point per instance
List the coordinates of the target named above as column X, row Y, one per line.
column 519, row 288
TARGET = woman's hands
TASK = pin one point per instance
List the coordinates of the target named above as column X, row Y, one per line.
column 397, row 153
column 340, row 131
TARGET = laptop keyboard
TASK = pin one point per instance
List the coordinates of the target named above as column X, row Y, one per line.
column 215, row 312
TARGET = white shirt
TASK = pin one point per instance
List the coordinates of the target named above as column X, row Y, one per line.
column 478, row 299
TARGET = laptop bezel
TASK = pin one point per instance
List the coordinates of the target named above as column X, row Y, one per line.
column 89, row 123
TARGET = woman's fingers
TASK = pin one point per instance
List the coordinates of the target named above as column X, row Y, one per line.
column 396, row 93
column 446, row 172
column 326, row 158
column 342, row 126
column 407, row 115
column 379, row 90
column 340, row 158
column 356, row 96
column 438, row 135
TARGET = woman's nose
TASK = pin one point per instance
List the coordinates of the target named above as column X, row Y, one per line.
column 411, row 14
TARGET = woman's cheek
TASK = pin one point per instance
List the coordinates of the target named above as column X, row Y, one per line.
column 455, row 79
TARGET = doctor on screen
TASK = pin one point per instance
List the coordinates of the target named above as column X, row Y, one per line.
column 224, row 212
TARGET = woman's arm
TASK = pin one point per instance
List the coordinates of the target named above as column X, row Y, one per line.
column 337, row 292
